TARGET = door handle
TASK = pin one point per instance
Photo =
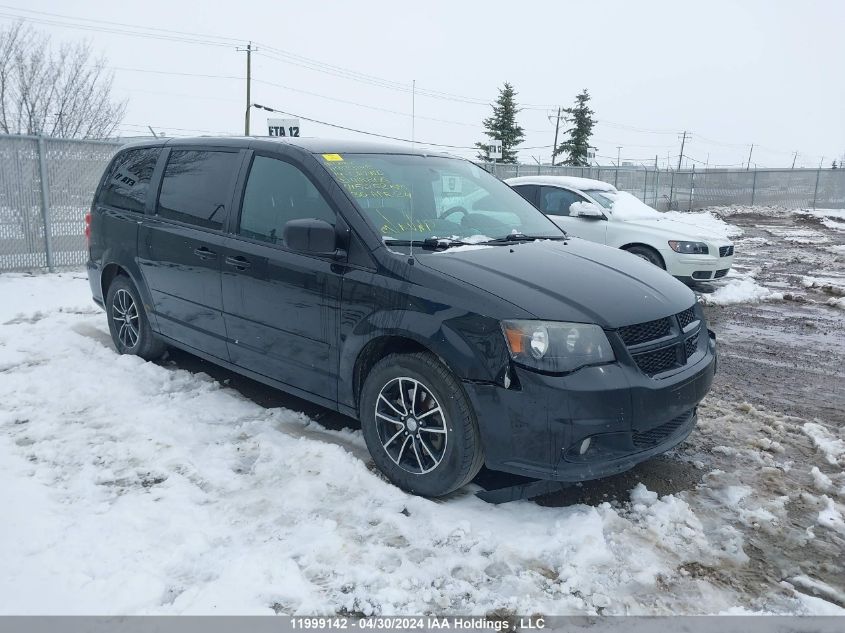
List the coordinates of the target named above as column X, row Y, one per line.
column 204, row 253
column 238, row 262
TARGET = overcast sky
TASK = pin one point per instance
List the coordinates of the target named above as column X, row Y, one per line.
column 732, row 73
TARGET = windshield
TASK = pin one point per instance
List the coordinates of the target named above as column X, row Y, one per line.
column 600, row 196
column 419, row 197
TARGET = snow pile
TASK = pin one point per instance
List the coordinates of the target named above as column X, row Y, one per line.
column 132, row 487
column 833, row 219
column 628, row 207
column 829, row 283
column 832, row 448
column 740, row 288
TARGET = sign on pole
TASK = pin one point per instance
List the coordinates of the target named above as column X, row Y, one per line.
column 494, row 149
column 282, row 127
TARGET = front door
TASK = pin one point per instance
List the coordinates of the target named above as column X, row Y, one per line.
column 281, row 307
column 180, row 248
column 555, row 203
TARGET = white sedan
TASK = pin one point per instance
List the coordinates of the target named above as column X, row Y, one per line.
column 598, row 212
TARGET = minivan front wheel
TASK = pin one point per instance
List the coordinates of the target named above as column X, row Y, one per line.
column 128, row 323
column 419, row 425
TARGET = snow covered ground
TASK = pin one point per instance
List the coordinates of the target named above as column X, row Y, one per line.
column 133, row 487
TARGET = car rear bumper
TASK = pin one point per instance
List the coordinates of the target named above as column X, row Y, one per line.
column 538, row 426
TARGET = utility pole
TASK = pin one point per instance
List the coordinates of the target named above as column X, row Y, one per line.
column 557, row 128
column 794, row 158
column 748, row 166
column 683, row 142
column 248, row 50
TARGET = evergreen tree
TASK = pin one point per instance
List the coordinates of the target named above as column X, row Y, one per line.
column 576, row 147
column 502, row 126
column 833, row 165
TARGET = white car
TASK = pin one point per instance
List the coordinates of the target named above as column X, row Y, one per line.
column 596, row 211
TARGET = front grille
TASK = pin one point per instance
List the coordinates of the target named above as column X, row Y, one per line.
column 669, row 354
column 658, row 361
column 653, row 437
column 686, row 317
column 720, row 273
column 691, row 346
column 726, row 251
column 643, row 332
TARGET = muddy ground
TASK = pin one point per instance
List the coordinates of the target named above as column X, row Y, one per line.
column 752, row 466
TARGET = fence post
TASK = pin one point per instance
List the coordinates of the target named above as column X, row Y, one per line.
column 691, row 187
column 671, row 189
column 816, row 190
column 645, row 184
column 656, row 184
column 753, row 186
column 45, row 203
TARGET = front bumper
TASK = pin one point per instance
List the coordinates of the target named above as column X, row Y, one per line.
column 697, row 267
column 536, row 428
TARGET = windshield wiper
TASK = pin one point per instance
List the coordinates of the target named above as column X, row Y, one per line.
column 522, row 237
column 434, row 243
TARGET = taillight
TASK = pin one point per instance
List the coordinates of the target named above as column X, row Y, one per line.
column 88, row 228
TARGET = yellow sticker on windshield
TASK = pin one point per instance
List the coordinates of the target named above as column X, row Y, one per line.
column 332, row 157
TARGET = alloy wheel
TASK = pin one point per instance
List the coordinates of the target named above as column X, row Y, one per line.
column 411, row 425
column 124, row 314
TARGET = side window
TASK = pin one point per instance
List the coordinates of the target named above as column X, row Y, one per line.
column 529, row 192
column 129, row 179
column 277, row 192
column 197, row 186
column 554, row 201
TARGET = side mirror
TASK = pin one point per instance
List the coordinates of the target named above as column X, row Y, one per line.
column 586, row 210
column 313, row 236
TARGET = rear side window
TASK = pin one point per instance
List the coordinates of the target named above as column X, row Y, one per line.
column 197, row 186
column 276, row 193
column 129, row 179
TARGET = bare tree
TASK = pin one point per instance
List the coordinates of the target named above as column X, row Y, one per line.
column 63, row 92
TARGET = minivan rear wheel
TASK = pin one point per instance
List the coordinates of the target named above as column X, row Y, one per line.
column 419, row 426
column 128, row 322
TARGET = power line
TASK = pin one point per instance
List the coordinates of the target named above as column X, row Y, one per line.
column 280, row 55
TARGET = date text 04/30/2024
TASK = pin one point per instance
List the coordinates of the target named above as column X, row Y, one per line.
column 421, row 623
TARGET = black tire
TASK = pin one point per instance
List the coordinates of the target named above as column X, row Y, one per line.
column 128, row 322
column 648, row 254
column 459, row 448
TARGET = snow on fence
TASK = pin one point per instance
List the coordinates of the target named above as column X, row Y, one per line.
column 46, row 187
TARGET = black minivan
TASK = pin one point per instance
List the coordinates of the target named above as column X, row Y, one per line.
column 409, row 289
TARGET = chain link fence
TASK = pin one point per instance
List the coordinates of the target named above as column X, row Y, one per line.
column 687, row 190
column 46, row 187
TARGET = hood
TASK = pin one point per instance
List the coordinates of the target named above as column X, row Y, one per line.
column 677, row 229
column 568, row 281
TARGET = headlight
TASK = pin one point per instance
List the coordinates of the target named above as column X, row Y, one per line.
column 554, row 346
column 689, row 248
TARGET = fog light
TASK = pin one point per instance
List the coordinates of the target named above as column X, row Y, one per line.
column 585, row 446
